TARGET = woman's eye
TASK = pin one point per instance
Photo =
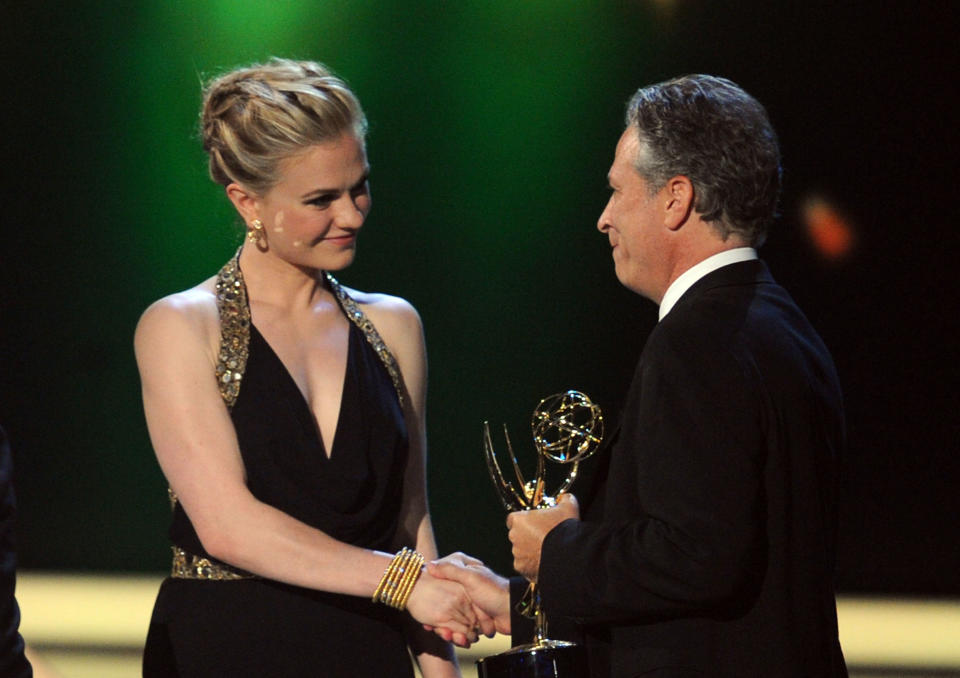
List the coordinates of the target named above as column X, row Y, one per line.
column 322, row 201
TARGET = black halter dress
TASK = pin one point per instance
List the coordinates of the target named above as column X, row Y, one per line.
column 213, row 620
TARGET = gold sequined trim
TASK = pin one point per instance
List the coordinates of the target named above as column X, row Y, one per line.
column 360, row 319
column 189, row 566
column 234, row 311
column 234, row 330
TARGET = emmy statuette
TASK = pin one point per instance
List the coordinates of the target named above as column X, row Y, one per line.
column 567, row 428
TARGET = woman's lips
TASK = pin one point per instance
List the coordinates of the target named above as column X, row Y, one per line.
column 346, row 239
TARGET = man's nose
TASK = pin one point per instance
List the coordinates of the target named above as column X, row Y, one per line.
column 603, row 223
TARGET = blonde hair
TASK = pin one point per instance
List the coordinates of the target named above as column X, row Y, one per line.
column 254, row 117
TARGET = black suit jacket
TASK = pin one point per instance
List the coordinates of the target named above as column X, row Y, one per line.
column 710, row 545
column 13, row 663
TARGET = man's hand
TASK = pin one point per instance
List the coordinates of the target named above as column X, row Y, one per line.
column 488, row 591
column 528, row 529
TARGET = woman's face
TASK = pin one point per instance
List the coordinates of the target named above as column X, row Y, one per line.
column 313, row 214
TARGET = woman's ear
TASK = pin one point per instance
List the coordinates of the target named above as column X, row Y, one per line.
column 246, row 201
column 679, row 196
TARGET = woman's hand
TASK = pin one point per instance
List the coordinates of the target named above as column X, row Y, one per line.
column 442, row 603
column 489, row 592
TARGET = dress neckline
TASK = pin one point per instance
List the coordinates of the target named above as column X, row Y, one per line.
column 233, row 307
column 306, row 412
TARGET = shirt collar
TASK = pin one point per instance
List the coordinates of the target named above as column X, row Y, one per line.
column 694, row 273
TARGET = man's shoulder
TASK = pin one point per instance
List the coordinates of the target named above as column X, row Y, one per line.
column 703, row 316
column 723, row 323
column 728, row 296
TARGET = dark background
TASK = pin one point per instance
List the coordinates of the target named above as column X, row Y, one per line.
column 492, row 128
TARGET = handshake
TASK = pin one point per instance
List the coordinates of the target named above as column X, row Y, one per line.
column 461, row 598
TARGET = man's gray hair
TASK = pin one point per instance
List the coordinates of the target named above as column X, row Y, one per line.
column 712, row 132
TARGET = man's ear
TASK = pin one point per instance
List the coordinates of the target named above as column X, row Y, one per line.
column 678, row 200
column 246, row 201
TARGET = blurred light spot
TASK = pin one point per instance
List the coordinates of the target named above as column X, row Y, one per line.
column 830, row 231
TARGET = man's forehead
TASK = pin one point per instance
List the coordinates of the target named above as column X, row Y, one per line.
column 629, row 140
column 626, row 151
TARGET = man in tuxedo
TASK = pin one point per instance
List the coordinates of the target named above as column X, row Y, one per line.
column 708, row 549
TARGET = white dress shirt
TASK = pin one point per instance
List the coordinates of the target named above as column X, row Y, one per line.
column 694, row 273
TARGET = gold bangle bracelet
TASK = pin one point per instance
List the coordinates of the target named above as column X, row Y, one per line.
column 376, row 594
column 399, row 569
column 415, row 571
column 402, row 585
column 411, row 574
column 383, row 581
column 388, row 580
column 399, row 578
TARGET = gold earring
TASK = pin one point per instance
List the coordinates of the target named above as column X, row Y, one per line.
column 255, row 234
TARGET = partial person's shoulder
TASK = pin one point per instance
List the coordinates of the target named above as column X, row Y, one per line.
column 191, row 313
column 387, row 312
column 398, row 324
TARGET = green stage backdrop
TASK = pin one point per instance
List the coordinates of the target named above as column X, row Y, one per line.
column 492, row 125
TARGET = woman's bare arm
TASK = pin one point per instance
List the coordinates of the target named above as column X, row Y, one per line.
column 197, row 449
column 402, row 331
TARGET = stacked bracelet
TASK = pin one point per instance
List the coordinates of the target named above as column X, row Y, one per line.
column 399, row 578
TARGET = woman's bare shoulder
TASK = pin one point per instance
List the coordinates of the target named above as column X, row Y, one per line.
column 389, row 314
column 188, row 316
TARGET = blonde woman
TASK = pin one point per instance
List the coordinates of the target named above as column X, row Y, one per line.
column 287, row 414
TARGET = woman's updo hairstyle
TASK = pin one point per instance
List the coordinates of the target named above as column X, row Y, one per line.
column 257, row 116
